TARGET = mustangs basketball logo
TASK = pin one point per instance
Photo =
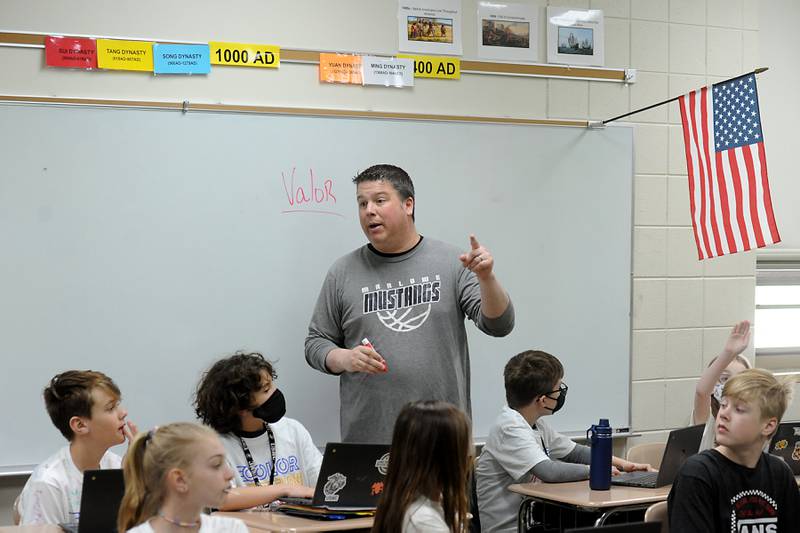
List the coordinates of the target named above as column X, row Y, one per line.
column 404, row 307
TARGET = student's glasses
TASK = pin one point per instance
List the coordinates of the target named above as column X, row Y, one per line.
column 562, row 389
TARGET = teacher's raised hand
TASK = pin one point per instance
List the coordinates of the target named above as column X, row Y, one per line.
column 479, row 260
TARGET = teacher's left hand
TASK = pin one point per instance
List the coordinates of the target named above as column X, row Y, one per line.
column 478, row 259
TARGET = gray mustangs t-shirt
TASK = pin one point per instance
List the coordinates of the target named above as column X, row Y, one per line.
column 412, row 308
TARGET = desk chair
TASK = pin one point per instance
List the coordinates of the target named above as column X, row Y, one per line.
column 658, row 513
column 650, row 453
column 15, row 510
column 475, row 521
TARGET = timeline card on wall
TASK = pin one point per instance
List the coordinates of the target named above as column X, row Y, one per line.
column 388, row 71
column 181, row 59
column 508, row 32
column 70, row 53
column 340, row 68
column 575, row 36
column 125, row 55
column 429, row 27
column 245, row 54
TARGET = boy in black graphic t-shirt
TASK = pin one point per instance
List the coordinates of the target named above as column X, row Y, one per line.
column 736, row 487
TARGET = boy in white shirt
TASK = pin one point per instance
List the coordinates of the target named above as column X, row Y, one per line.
column 522, row 447
column 85, row 407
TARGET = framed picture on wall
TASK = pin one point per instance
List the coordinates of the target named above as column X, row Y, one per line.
column 508, row 32
column 575, row 36
column 429, row 26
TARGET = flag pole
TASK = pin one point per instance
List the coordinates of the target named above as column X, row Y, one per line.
column 759, row 70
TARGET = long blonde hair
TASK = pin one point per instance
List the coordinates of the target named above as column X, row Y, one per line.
column 150, row 456
column 431, row 455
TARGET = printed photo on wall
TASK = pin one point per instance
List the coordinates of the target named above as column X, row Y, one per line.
column 429, row 27
column 575, row 36
column 508, row 32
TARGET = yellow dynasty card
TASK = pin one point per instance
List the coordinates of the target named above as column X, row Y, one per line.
column 125, row 55
column 245, row 55
column 445, row 68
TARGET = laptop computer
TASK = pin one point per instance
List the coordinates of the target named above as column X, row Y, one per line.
column 681, row 444
column 786, row 445
column 350, row 479
column 100, row 498
column 636, row 527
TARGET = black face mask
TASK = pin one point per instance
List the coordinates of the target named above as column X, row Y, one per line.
column 273, row 409
column 561, row 398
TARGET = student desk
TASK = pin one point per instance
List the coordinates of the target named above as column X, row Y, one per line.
column 259, row 521
column 578, row 497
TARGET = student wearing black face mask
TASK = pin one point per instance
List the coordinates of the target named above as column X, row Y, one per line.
column 522, row 447
column 272, row 456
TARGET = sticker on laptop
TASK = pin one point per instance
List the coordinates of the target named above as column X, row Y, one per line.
column 796, row 451
column 781, row 444
column 796, row 431
column 382, row 464
column 335, row 483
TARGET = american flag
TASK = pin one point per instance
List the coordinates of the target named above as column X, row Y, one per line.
column 728, row 187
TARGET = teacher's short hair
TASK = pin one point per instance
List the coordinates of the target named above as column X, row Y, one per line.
column 398, row 177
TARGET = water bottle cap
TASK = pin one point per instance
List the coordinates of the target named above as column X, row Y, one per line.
column 603, row 422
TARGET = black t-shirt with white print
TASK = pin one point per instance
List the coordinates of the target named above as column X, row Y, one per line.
column 713, row 494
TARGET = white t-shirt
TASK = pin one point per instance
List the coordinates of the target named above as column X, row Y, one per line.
column 297, row 459
column 424, row 516
column 709, row 433
column 208, row 524
column 52, row 494
column 512, row 449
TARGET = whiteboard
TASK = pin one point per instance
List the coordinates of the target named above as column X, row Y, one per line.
column 147, row 244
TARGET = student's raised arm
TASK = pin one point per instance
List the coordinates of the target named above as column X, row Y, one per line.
column 737, row 342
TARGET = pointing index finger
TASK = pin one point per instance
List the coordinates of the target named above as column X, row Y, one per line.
column 474, row 242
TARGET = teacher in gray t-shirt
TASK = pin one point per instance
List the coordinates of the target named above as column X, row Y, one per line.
column 389, row 319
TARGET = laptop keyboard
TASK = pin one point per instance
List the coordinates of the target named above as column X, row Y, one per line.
column 298, row 501
column 637, row 479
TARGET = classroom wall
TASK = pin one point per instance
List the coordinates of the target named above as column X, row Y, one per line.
column 780, row 108
column 682, row 309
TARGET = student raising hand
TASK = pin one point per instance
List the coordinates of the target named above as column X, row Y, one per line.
column 708, row 391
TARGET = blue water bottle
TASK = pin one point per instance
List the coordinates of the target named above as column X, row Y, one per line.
column 600, row 469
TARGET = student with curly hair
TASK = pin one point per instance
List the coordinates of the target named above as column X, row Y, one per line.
column 272, row 456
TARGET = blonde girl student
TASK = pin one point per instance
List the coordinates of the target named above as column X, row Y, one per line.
column 171, row 474
column 708, row 392
column 272, row 455
column 429, row 470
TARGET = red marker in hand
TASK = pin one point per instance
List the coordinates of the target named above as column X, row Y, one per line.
column 365, row 342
